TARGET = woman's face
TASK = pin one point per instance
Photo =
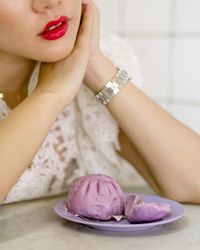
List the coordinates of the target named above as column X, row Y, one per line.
column 21, row 21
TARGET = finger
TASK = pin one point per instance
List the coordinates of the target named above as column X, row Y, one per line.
column 85, row 29
column 85, row 1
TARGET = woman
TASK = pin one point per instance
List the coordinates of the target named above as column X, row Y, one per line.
column 164, row 151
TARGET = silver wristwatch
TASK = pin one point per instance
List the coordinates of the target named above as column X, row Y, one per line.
column 112, row 88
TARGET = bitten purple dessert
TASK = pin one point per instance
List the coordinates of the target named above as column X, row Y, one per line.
column 96, row 196
column 137, row 210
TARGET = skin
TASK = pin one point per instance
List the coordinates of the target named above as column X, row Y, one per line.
column 21, row 23
column 57, row 86
column 20, row 45
column 165, row 151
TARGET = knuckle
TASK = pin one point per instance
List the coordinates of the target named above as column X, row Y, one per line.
column 84, row 29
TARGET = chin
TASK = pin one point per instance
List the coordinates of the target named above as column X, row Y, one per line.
column 54, row 56
column 52, row 53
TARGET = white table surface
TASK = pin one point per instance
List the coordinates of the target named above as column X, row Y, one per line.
column 34, row 225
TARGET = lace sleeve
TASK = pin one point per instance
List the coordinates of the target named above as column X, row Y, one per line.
column 121, row 53
column 98, row 124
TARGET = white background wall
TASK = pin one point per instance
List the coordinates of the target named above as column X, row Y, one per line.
column 166, row 36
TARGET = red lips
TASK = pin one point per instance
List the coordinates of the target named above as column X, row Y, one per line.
column 55, row 29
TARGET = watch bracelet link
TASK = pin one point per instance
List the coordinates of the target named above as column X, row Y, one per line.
column 113, row 87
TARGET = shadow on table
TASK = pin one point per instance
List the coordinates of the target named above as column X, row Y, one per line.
column 156, row 231
column 22, row 219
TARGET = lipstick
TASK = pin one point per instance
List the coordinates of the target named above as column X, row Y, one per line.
column 55, row 29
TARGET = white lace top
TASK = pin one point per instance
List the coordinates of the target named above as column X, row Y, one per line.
column 82, row 140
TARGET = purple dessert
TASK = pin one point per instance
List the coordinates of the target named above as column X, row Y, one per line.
column 96, row 196
column 137, row 210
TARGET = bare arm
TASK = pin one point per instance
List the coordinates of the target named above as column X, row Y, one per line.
column 24, row 129
column 22, row 132
column 131, row 154
column 169, row 149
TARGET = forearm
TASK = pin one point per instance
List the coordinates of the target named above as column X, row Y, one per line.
column 170, row 149
column 129, row 152
column 22, row 133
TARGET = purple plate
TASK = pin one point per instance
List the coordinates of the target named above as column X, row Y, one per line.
column 124, row 225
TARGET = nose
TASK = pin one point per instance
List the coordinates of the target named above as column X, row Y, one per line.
column 41, row 6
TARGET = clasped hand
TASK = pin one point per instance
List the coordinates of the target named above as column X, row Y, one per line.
column 64, row 78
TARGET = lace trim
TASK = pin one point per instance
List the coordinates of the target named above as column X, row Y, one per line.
column 83, row 139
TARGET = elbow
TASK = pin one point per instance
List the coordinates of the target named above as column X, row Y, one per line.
column 2, row 199
column 184, row 194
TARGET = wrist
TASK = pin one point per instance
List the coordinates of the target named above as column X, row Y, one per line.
column 113, row 87
column 99, row 71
